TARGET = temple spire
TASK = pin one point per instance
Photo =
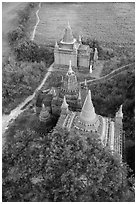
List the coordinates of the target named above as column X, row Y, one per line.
column 68, row 36
column 64, row 104
column 119, row 114
column 79, row 95
column 90, row 69
column 68, row 25
column 70, row 71
column 95, row 55
column 88, row 112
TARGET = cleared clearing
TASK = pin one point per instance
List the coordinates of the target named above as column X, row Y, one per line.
column 107, row 22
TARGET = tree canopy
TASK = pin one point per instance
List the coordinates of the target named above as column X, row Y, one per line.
column 62, row 167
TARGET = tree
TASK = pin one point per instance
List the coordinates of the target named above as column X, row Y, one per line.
column 62, row 167
column 79, row 168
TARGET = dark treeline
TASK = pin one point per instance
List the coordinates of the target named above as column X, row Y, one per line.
column 27, row 65
column 107, row 98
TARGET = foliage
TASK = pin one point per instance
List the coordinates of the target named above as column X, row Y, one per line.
column 16, row 35
column 21, row 76
column 27, row 50
column 20, row 32
column 20, row 80
column 24, row 15
column 62, row 167
column 104, row 54
column 107, row 98
column 109, row 95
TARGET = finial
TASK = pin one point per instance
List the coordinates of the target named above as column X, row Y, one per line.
column 70, row 68
column 64, row 104
column 80, row 38
column 43, row 106
column 96, row 54
column 119, row 114
column 56, row 44
column 79, row 95
column 68, row 25
column 90, row 70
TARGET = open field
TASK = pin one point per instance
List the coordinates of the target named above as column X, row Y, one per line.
column 9, row 22
column 107, row 22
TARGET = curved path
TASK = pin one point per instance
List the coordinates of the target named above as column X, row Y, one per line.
column 14, row 113
column 110, row 75
column 8, row 119
column 38, row 20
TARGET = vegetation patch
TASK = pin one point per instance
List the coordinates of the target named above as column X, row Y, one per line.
column 19, row 81
column 107, row 98
column 23, row 72
column 63, row 167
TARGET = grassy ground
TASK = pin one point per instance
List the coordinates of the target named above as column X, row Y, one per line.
column 107, row 22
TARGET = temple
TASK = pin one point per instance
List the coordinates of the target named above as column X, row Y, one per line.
column 69, row 48
column 73, row 105
column 70, row 88
column 107, row 129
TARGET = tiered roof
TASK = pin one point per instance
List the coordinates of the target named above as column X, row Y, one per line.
column 70, row 71
column 70, row 81
column 119, row 114
column 64, row 104
column 68, row 36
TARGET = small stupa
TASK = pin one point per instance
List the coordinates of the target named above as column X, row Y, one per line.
column 44, row 114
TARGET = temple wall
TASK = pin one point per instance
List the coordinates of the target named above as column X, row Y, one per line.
column 83, row 61
column 63, row 58
column 56, row 57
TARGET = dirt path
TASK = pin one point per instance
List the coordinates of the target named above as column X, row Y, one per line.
column 11, row 9
column 38, row 20
column 8, row 119
column 110, row 75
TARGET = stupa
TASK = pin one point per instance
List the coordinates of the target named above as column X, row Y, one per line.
column 70, row 89
column 109, row 130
